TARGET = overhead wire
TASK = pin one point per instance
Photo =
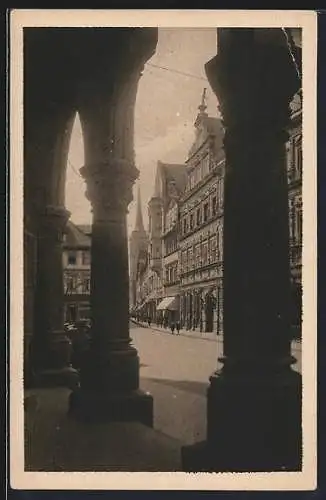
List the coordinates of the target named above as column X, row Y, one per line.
column 189, row 75
column 74, row 169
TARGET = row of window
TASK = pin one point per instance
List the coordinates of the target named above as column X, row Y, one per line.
column 77, row 284
column 294, row 158
column 200, row 171
column 202, row 254
column 170, row 244
column 204, row 212
column 78, row 257
column 149, row 285
column 171, row 273
column 295, row 222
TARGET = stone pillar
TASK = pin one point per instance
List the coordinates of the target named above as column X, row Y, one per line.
column 109, row 379
column 254, row 402
column 51, row 348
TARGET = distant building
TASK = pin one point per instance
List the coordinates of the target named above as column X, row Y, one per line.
column 138, row 247
column 77, row 271
column 157, row 267
column 170, row 184
column 180, row 267
column 294, row 169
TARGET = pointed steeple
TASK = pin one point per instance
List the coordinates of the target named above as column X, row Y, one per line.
column 157, row 186
column 139, row 226
column 202, row 109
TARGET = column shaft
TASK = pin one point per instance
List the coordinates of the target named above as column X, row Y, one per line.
column 254, row 402
column 51, row 348
column 109, row 380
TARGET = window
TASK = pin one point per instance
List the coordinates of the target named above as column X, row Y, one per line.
column 190, row 258
column 86, row 285
column 213, row 248
column 205, row 165
column 298, row 160
column 184, row 226
column 198, row 216
column 198, row 255
column 205, row 253
column 70, row 285
column 292, row 219
column 214, row 205
column 298, row 216
column 221, row 192
column 205, row 212
column 191, row 224
column 86, row 258
column 184, row 260
column 72, row 258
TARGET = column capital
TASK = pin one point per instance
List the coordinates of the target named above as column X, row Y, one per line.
column 255, row 78
column 109, row 186
column 52, row 221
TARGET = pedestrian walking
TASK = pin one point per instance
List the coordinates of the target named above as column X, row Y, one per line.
column 149, row 321
column 172, row 328
column 178, row 327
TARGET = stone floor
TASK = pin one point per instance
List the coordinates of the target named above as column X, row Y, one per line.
column 55, row 443
column 174, row 369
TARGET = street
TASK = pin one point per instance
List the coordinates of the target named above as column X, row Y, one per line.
column 176, row 370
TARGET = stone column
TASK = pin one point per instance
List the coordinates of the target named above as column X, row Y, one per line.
column 254, row 402
column 109, row 380
column 110, row 376
column 51, row 348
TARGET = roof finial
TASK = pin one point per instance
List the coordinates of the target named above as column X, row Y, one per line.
column 202, row 108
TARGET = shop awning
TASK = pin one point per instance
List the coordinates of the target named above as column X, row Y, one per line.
column 169, row 303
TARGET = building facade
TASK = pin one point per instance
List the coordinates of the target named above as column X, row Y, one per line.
column 294, row 169
column 157, row 270
column 182, row 268
column 76, row 257
column 201, row 228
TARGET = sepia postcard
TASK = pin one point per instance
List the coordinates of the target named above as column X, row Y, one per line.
column 163, row 250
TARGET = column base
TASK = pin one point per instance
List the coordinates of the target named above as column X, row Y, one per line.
column 61, row 377
column 109, row 387
column 253, row 425
column 134, row 406
column 51, row 365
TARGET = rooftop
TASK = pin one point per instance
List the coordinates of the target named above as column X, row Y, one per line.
column 76, row 237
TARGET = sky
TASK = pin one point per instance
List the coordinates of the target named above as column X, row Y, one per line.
column 166, row 108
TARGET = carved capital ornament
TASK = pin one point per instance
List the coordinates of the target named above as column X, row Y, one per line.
column 109, row 186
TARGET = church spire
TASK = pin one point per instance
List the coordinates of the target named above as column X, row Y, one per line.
column 139, row 226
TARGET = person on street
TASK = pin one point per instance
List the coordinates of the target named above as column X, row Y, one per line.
column 172, row 327
column 178, row 327
column 149, row 321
